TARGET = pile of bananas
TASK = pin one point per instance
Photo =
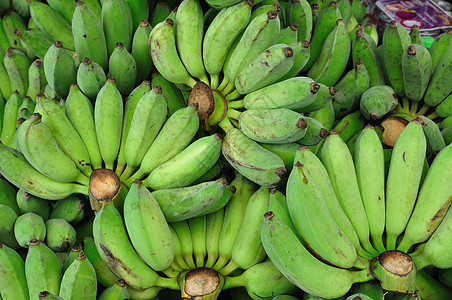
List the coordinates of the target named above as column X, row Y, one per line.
column 240, row 149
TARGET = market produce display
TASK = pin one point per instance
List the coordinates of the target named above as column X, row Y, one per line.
column 237, row 149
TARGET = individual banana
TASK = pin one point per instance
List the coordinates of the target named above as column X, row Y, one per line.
column 196, row 159
column 42, row 269
column 117, row 291
column 117, row 24
column 218, row 4
column 151, row 237
column 72, row 209
column 315, row 132
column 27, row 227
column 435, row 140
column 148, row 119
column 10, row 116
column 89, row 38
column 90, row 78
column 9, row 195
column 108, row 116
column 16, row 64
column 415, row 36
column 417, row 70
column 60, row 235
column 349, row 125
column 5, row 82
column 173, row 96
column 338, row 162
column 286, row 151
column 12, row 21
column 103, row 274
column 36, row 79
column 34, row 41
column 220, row 35
column 122, row 67
column 323, row 97
column 162, row 43
column 17, row 170
column 140, row 48
column 301, row 54
column 182, row 203
column 444, row 109
column 403, row 180
column 214, row 222
column 368, row 153
column 183, row 234
column 315, row 277
column 300, row 13
column 8, row 217
column 288, row 35
column 378, row 101
column 265, row 69
column 273, row 125
column 79, row 111
column 12, row 268
column 64, row 133
column 437, row 90
column 37, row 144
column 160, row 13
column 52, row 23
column 198, row 230
column 79, row 280
column 333, row 57
column 439, row 47
column 395, row 41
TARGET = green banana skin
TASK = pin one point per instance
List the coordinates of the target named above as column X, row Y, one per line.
column 395, row 40
column 60, row 236
column 64, row 8
column 159, row 13
column 262, row 281
column 198, row 230
column 21, row 7
column 8, row 218
column 139, row 10
column 315, row 132
column 430, row 208
column 147, row 120
column 427, row 287
column 42, row 269
column 315, row 277
column 9, row 195
column 346, row 10
column 12, row 21
column 162, row 43
column 18, row 171
column 359, row 9
column 88, row 35
column 261, row 33
column 172, row 95
column 122, row 67
column 103, row 274
column 252, row 160
column 36, row 79
column 10, row 116
column 151, row 238
column 64, row 133
column 38, row 144
column 300, row 13
column 294, row 93
column 286, row 151
column 446, row 122
column 108, row 116
column 187, row 202
column 439, row 47
column 60, row 69
column 214, row 222
column 72, row 209
column 378, row 101
column 323, row 97
column 140, row 49
column 350, row 89
column 288, row 35
column 272, row 126
column 403, row 179
column 79, row 280
column 349, row 125
column 12, row 268
column 5, row 81
column 16, row 64
column 415, row 36
column 34, row 41
column 447, row 134
column 27, row 227
column 189, row 36
column 129, row 109
column 444, row 109
column 278, row 205
column 79, row 111
column 333, row 58
column 182, row 231
column 437, row 90
column 90, row 78
column 219, row 4
column 301, row 54
column 4, row 42
column 325, row 23
column 52, row 23
column 265, row 69
column 435, row 140
column 117, row 24
column 116, row 291
column 417, row 70
column 196, row 159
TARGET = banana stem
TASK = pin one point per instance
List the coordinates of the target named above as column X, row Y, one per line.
column 120, row 168
column 205, row 79
column 362, row 276
column 82, row 179
column 423, row 109
column 229, row 268
column 433, row 115
column 169, row 283
column 406, row 104
column 214, row 81
column 378, row 243
column 233, row 95
column 109, row 165
column 234, row 114
column 127, row 172
column 413, row 108
column 226, row 124
column 81, row 189
column 232, row 282
column 223, row 83
column 229, row 88
column 191, row 82
column 170, row 272
column 236, row 104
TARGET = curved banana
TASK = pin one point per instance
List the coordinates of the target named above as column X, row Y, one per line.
column 117, row 24
column 34, row 41
column 214, row 222
column 439, row 47
column 300, row 13
column 437, row 89
column 16, row 64
column 10, row 116
column 301, row 54
column 417, row 70
column 7, row 219
column 198, row 230
column 140, row 49
column 12, row 267
column 172, row 95
column 182, row 231
column 36, row 79
column 122, row 67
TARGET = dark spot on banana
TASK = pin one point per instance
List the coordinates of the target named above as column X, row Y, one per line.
column 84, row 36
column 403, row 157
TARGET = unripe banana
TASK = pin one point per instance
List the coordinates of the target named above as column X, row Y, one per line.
column 288, row 35
column 4, row 42
column 140, row 11
column 300, row 13
column 117, row 291
column 64, row 8
column 377, row 101
column 417, row 70
column 349, row 126
column 117, row 24
column 123, row 68
column 182, row 233
column 10, row 116
column 27, row 227
column 60, row 69
column 90, row 78
column 8, row 217
column 439, row 47
column 444, row 109
column 60, row 235
column 198, row 230
column 5, row 82
column 172, row 94
column 72, row 209
column 187, row 166
column 12, row 268
column 437, row 89
column 70, row 256
column 323, row 97
column 9, row 195
column 17, row 64
column 12, row 21
column 140, row 49
column 160, row 13
column 221, row 4
column 79, row 280
column 301, row 54
column 103, row 274
column 42, row 269
column 88, row 35
column 214, row 222
column 36, row 79
column 151, row 238
column 29, row 203
column 34, row 41
column 252, row 160
column 435, row 140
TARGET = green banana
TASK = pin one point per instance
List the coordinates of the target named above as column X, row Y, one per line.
column 315, row 132
column 300, row 13
column 8, row 218
column 34, row 41
column 288, row 35
column 359, row 8
column 286, row 151
column 90, row 78
column 151, row 237
column 188, row 165
column 27, row 227
column 17, row 170
column 5, row 82
column 162, row 43
column 60, row 235
column 415, row 36
column 64, row 8
column 182, row 203
column 159, row 13
column 12, row 21
column 173, row 96
column 349, row 125
column 12, row 268
column 36, row 79
column 60, row 69
column 198, row 230
column 323, row 97
column 435, row 140
column 301, row 54
column 278, row 126
column 9, row 195
column 88, row 35
column 139, row 10
column 214, row 222
column 21, row 6
column 183, row 234
column 10, row 116
column 395, row 42
column 403, row 180
column 378, row 101
column 42, row 269
column 108, row 116
column 118, row 291
column 4, row 42
column 72, row 209
column 437, row 89
column 417, row 70
column 79, row 280
column 117, row 24
column 219, row 4
column 439, row 47
column 52, row 23
column 122, row 67
column 444, row 108
column 64, row 133
column 140, row 49
column 16, row 64
column 79, row 111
